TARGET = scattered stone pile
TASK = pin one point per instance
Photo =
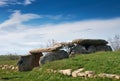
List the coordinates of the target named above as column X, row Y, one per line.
column 82, row 73
column 105, row 75
column 8, row 67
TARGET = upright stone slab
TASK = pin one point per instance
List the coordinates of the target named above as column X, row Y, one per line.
column 28, row 62
column 52, row 56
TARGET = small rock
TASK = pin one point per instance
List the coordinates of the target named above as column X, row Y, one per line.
column 90, row 75
column 89, row 72
column 13, row 68
column 82, row 74
column 10, row 67
column 74, row 73
column 3, row 68
column 48, row 70
column 51, row 70
column 65, row 72
column 110, row 75
column 16, row 68
column 5, row 65
column 102, row 75
column 95, row 76
column 117, row 77
column 54, row 71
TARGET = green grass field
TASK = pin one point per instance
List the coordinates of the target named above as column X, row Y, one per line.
column 101, row 62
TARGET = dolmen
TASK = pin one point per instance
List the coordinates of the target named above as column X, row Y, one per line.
column 36, row 57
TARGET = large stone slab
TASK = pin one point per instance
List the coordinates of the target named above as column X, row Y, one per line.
column 90, row 41
column 55, row 47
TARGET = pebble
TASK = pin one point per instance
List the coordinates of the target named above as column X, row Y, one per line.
column 10, row 67
column 82, row 74
column 65, row 72
column 75, row 73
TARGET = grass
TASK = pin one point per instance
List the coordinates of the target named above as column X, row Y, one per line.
column 9, row 59
column 101, row 62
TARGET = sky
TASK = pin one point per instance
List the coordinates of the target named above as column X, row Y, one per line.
column 30, row 24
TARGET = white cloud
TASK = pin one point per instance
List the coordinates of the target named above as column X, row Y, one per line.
column 27, row 2
column 15, row 2
column 60, row 16
column 2, row 3
column 37, row 36
column 16, row 20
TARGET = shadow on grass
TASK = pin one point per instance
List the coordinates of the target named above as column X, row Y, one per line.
column 8, row 78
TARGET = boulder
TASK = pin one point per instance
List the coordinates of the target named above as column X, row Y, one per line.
column 51, row 56
column 78, row 49
column 28, row 62
column 91, row 49
column 103, row 48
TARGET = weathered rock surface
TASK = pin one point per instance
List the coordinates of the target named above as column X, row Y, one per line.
column 91, row 49
column 78, row 49
column 83, row 46
column 90, row 41
column 55, row 47
column 103, row 48
column 28, row 62
column 61, row 54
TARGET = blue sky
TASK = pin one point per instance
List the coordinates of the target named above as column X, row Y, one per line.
column 29, row 24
